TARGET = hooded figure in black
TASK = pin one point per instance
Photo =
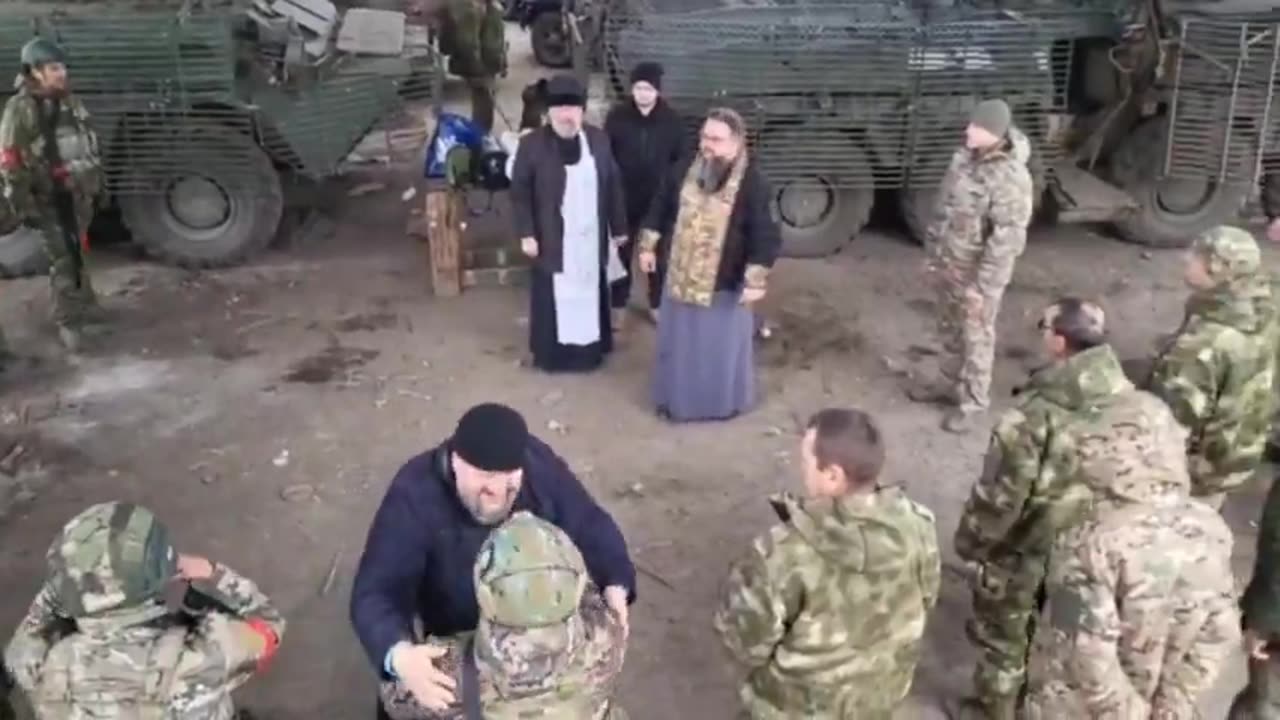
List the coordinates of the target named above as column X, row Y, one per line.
column 566, row 202
column 647, row 137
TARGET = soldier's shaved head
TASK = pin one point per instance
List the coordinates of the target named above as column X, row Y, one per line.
column 1081, row 324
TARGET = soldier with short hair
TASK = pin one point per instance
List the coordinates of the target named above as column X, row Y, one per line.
column 100, row 641
column 984, row 206
column 1031, row 489
column 536, row 602
column 1140, row 611
column 51, row 175
column 1216, row 373
column 827, row 609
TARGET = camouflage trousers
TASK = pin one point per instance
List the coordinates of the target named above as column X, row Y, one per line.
column 968, row 335
column 1006, row 601
column 1260, row 699
column 72, row 305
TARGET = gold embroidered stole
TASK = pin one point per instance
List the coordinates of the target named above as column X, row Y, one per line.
column 697, row 241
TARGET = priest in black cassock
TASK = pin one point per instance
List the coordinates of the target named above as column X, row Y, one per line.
column 567, row 205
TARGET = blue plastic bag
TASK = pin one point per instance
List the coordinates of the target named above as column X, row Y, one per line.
column 452, row 130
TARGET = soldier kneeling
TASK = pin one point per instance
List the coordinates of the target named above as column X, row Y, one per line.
column 100, row 640
column 545, row 646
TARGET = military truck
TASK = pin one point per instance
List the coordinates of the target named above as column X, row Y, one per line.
column 1155, row 117
column 208, row 111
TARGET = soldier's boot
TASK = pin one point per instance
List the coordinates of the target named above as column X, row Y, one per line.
column 1000, row 707
column 931, row 392
column 962, row 420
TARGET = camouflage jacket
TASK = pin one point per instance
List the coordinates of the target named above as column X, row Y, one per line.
column 984, row 206
column 144, row 662
column 1140, row 611
column 827, row 608
column 532, row 673
column 1216, row 375
column 26, row 179
column 1031, row 487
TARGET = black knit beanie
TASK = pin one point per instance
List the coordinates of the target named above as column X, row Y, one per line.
column 491, row 437
column 650, row 72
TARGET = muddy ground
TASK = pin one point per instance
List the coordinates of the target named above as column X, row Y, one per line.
column 263, row 410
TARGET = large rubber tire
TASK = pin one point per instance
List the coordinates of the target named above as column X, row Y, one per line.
column 249, row 201
column 550, row 42
column 1158, row 222
column 819, row 214
column 22, row 254
column 917, row 207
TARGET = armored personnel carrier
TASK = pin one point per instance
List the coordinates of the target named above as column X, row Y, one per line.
column 205, row 109
column 1156, row 117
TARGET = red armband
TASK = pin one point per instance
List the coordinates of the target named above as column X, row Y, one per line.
column 60, row 173
column 269, row 636
column 10, row 159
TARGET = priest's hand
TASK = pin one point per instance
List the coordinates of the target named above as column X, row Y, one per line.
column 615, row 596
column 529, row 246
column 415, row 666
column 648, row 262
column 1273, row 230
column 752, row 295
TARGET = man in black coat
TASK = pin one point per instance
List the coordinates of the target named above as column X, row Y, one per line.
column 566, row 203
column 648, row 137
column 441, row 506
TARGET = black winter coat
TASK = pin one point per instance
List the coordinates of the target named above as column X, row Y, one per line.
column 752, row 238
column 646, row 147
column 537, row 189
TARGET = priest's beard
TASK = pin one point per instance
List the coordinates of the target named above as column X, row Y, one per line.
column 712, row 173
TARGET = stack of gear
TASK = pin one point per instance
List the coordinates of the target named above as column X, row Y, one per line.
column 464, row 156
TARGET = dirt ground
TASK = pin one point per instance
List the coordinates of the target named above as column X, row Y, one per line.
column 263, row 410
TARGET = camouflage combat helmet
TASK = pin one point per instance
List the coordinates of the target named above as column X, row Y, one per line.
column 1229, row 252
column 39, row 51
column 1136, row 450
column 529, row 574
column 113, row 555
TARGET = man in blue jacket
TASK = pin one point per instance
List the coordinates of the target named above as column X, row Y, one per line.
column 439, row 509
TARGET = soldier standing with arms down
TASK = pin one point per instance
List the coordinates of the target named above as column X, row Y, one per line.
column 1140, row 612
column 99, row 640
column 984, row 207
column 1031, row 489
column 1217, row 371
column 51, row 175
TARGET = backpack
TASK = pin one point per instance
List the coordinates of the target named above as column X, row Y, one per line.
column 136, row 678
column 473, row 35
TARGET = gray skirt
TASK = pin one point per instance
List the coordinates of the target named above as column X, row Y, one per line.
column 705, row 368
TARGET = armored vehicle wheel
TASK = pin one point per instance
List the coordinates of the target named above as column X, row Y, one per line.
column 1172, row 212
column 550, row 42
column 22, row 254
column 203, row 211
column 818, row 212
column 917, row 206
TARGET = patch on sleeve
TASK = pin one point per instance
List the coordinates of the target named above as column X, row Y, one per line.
column 1068, row 611
column 10, row 159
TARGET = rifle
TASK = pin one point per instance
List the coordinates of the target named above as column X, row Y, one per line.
column 63, row 202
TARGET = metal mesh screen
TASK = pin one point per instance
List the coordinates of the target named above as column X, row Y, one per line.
column 170, row 93
column 1223, row 88
column 814, row 80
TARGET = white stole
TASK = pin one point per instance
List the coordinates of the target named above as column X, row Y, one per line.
column 576, row 288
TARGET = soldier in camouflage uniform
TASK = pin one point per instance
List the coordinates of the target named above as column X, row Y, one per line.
column 984, row 207
column 1140, row 610
column 1030, row 490
column 1217, row 371
column 28, row 180
column 99, row 641
column 1260, row 699
column 547, row 645
column 827, row 609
